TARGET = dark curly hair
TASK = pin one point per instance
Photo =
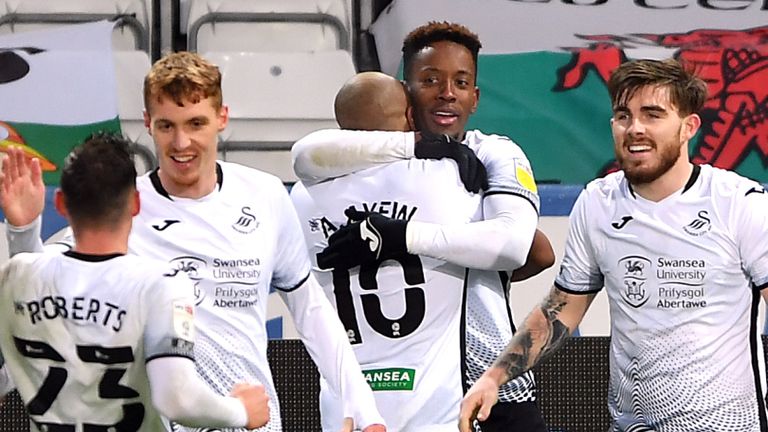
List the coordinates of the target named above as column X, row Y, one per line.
column 434, row 31
column 97, row 177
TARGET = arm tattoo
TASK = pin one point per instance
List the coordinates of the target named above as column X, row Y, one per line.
column 558, row 332
column 537, row 338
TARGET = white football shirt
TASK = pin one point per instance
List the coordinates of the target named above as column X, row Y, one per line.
column 403, row 317
column 683, row 278
column 332, row 153
column 489, row 320
column 234, row 243
column 76, row 331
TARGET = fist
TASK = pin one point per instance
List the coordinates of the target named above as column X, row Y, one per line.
column 256, row 402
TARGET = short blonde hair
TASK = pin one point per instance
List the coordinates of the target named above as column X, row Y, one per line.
column 183, row 76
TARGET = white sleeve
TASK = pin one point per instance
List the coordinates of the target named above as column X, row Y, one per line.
column 6, row 384
column 331, row 153
column 326, row 341
column 579, row 272
column 751, row 231
column 24, row 238
column 292, row 263
column 499, row 242
column 180, row 395
column 509, row 171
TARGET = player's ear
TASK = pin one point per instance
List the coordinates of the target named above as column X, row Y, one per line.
column 223, row 117
column 477, row 100
column 135, row 203
column 59, row 201
column 147, row 122
column 690, row 126
column 409, row 116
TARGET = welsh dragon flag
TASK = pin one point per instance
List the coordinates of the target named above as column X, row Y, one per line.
column 57, row 87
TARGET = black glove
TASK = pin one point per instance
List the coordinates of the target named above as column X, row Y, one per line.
column 471, row 170
column 367, row 237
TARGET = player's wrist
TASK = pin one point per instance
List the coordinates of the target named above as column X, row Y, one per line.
column 394, row 235
column 238, row 411
column 411, row 237
column 496, row 375
column 21, row 226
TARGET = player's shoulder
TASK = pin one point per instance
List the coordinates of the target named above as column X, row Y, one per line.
column 609, row 187
column 20, row 262
column 724, row 184
column 134, row 267
column 477, row 140
column 29, row 259
column 299, row 193
column 148, row 274
column 144, row 181
column 243, row 177
column 23, row 258
column 152, row 265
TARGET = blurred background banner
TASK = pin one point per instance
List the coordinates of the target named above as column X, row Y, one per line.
column 57, row 87
column 542, row 73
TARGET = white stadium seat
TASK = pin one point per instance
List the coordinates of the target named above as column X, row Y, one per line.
column 130, row 69
column 131, row 31
column 276, row 98
column 268, row 25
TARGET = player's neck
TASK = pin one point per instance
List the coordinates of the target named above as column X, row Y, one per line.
column 669, row 182
column 203, row 186
column 101, row 241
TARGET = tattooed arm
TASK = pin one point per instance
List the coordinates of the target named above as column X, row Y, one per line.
column 543, row 332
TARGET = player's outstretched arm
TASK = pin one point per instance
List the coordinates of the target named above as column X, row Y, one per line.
column 500, row 243
column 544, row 331
column 22, row 197
column 332, row 153
column 180, row 395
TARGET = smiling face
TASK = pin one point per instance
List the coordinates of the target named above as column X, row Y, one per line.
column 650, row 136
column 442, row 84
column 186, row 139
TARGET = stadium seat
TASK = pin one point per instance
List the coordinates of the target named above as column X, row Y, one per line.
column 276, row 98
column 131, row 30
column 268, row 25
column 130, row 69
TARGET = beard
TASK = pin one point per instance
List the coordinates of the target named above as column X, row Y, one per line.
column 638, row 174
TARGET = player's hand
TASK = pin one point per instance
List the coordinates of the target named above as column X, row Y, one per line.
column 477, row 403
column 22, row 191
column 367, row 237
column 471, row 169
column 256, row 402
column 349, row 426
